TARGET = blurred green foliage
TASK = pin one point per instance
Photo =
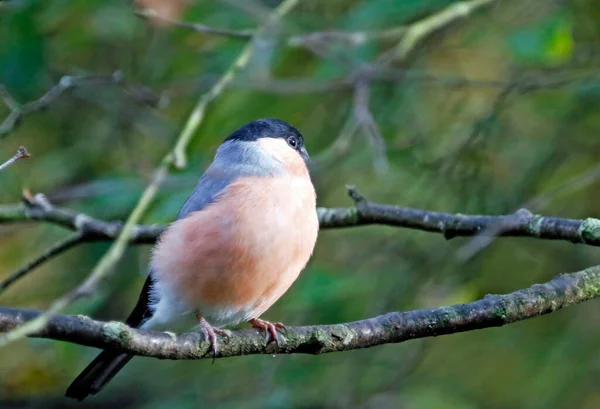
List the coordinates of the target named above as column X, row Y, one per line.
column 495, row 112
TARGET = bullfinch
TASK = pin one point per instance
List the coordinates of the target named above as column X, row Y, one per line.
column 241, row 239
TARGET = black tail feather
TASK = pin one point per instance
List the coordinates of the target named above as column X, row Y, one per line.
column 97, row 374
column 109, row 362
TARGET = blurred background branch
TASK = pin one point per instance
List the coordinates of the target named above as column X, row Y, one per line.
column 67, row 82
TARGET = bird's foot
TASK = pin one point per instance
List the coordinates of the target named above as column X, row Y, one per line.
column 270, row 329
column 210, row 333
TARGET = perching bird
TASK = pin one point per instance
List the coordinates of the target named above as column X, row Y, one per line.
column 240, row 241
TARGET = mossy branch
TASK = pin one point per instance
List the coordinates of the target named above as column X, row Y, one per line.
column 394, row 327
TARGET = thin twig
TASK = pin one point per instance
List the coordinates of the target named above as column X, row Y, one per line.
column 67, row 82
column 365, row 118
column 347, row 38
column 301, row 85
column 21, row 153
column 395, row 327
column 53, row 251
column 8, row 100
column 200, row 28
column 352, row 38
column 418, row 31
column 339, row 147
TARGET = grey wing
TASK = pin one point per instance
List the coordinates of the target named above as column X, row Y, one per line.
column 209, row 186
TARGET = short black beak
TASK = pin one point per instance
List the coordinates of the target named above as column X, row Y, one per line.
column 304, row 154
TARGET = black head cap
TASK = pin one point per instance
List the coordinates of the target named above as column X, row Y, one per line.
column 271, row 128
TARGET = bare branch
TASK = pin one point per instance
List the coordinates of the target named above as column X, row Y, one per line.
column 90, row 228
column 395, row 327
column 520, row 224
column 200, row 28
column 21, row 153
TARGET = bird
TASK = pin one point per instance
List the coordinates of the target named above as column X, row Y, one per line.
column 241, row 239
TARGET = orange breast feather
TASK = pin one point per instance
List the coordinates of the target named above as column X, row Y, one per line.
column 244, row 251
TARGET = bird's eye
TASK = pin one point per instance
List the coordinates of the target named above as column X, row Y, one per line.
column 292, row 141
